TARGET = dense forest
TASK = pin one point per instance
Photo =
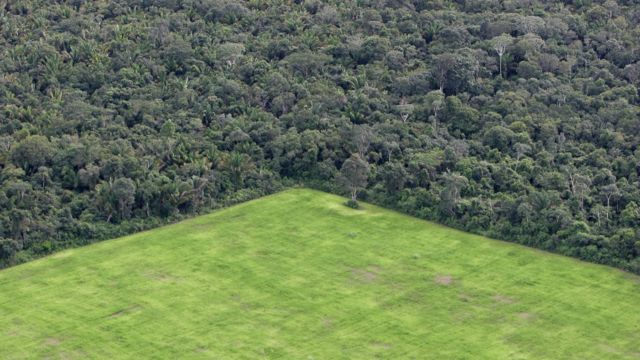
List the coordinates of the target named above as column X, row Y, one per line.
column 516, row 119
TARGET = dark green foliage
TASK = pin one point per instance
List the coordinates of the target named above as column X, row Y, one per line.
column 514, row 119
column 352, row 204
column 31, row 153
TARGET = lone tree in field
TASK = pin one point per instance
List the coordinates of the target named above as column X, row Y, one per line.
column 354, row 174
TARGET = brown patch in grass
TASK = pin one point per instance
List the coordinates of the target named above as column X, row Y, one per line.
column 609, row 348
column 526, row 315
column 414, row 296
column 240, row 301
column 161, row 276
column 201, row 349
column 52, row 341
column 381, row 345
column 463, row 316
column 444, row 279
column 366, row 275
column 327, row 322
column 502, row 299
column 66, row 356
column 613, row 350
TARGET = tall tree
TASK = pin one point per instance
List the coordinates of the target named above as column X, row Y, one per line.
column 362, row 136
column 354, row 175
column 453, row 183
column 32, row 152
column 500, row 45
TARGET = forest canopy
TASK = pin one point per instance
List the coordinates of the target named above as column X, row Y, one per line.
column 516, row 119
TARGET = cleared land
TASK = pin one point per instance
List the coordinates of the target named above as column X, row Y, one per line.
column 298, row 275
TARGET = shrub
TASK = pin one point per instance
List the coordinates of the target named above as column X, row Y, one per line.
column 352, row 204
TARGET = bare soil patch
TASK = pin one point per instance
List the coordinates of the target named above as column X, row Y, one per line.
column 161, row 276
column 240, row 301
column 502, row 299
column 327, row 322
column 366, row 275
column 52, row 341
column 526, row 315
column 381, row 345
column 444, row 279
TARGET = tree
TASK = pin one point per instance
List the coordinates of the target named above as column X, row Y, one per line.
column 362, row 135
column 444, row 64
column 631, row 214
column 89, row 176
column 307, row 63
column 610, row 192
column 453, row 183
column 405, row 109
column 460, row 117
column 528, row 46
column 393, row 175
column 177, row 54
column 500, row 44
column 623, row 242
column 499, row 137
column 8, row 249
column 123, row 191
column 43, row 176
column 579, row 185
column 454, row 72
column 22, row 222
column 238, row 164
column 18, row 190
column 431, row 30
column 32, row 152
column 424, row 165
column 354, row 175
column 116, row 198
column 521, row 150
column 434, row 101
column 531, row 24
column 230, row 53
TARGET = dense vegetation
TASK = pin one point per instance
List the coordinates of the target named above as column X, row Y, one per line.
column 259, row 281
column 518, row 119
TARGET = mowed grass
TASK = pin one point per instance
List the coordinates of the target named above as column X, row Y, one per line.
column 297, row 275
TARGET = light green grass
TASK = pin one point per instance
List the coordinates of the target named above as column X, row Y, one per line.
column 297, row 275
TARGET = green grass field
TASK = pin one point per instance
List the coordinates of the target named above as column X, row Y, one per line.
column 297, row 275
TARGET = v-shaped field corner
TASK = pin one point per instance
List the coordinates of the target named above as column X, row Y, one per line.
column 299, row 275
